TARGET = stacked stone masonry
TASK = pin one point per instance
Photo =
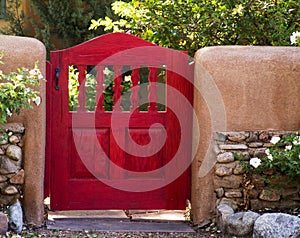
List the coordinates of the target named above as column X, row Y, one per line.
column 229, row 175
column 11, row 163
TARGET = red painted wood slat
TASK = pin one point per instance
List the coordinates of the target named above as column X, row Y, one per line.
column 100, row 88
column 117, row 88
column 135, row 78
column 47, row 179
column 152, row 89
column 81, row 88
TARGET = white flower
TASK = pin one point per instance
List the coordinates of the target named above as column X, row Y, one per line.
column 255, row 162
column 294, row 37
column 127, row 78
column 275, row 140
column 288, row 147
column 36, row 72
column 106, row 71
column 299, row 156
column 37, row 101
column 9, row 113
column 19, row 77
column 270, row 157
column 297, row 141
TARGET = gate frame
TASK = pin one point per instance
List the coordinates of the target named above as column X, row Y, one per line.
column 51, row 84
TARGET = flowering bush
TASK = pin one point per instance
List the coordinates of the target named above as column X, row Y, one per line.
column 17, row 90
column 282, row 159
column 295, row 38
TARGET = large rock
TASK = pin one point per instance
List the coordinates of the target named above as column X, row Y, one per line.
column 18, row 178
column 223, row 211
column 233, row 193
column 225, row 157
column 15, row 217
column 13, row 127
column 3, row 178
column 277, row 225
column 14, row 139
column 232, row 181
column 219, row 192
column 241, row 224
column 259, row 153
column 252, row 137
column 9, row 190
column 14, row 152
column 8, row 199
column 219, row 136
column 237, row 136
column 264, row 136
column 223, row 171
column 3, row 224
column 233, row 147
column 270, row 195
column 259, row 204
column 258, row 181
column 292, row 194
column 7, row 166
column 238, row 169
column 229, row 202
column 255, row 144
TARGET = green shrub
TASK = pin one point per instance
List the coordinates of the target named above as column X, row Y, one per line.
column 17, row 90
column 281, row 160
column 190, row 24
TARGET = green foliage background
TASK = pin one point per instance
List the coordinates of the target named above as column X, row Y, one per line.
column 193, row 24
column 59, row 24
column 67, row 20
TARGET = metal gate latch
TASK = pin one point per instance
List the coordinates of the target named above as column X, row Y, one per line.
column 57, row 71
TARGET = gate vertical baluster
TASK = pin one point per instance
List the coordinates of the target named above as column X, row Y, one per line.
column 152, row 89
column 81, row 88
column 100, row 88
column 135, row 78
column 117, row 89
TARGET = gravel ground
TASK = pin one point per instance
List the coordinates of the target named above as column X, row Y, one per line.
column 209, row 231
column 90, row 234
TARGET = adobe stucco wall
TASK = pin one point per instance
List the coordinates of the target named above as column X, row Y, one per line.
column 240, row 88
column 24, row 52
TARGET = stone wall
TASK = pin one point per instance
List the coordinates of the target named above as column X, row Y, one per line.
column 24, row 52
column 11, row 163
column 231, row 185
column 239, row 88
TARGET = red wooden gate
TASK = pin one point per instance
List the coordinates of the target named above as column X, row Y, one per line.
column 123, row 140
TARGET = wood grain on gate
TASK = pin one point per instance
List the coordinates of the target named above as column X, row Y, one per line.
column 77, row 183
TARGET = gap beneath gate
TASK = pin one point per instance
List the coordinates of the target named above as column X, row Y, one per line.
column 118, row 221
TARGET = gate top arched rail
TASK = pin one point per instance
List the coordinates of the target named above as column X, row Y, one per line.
column 126, row 46
column 104, row 46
